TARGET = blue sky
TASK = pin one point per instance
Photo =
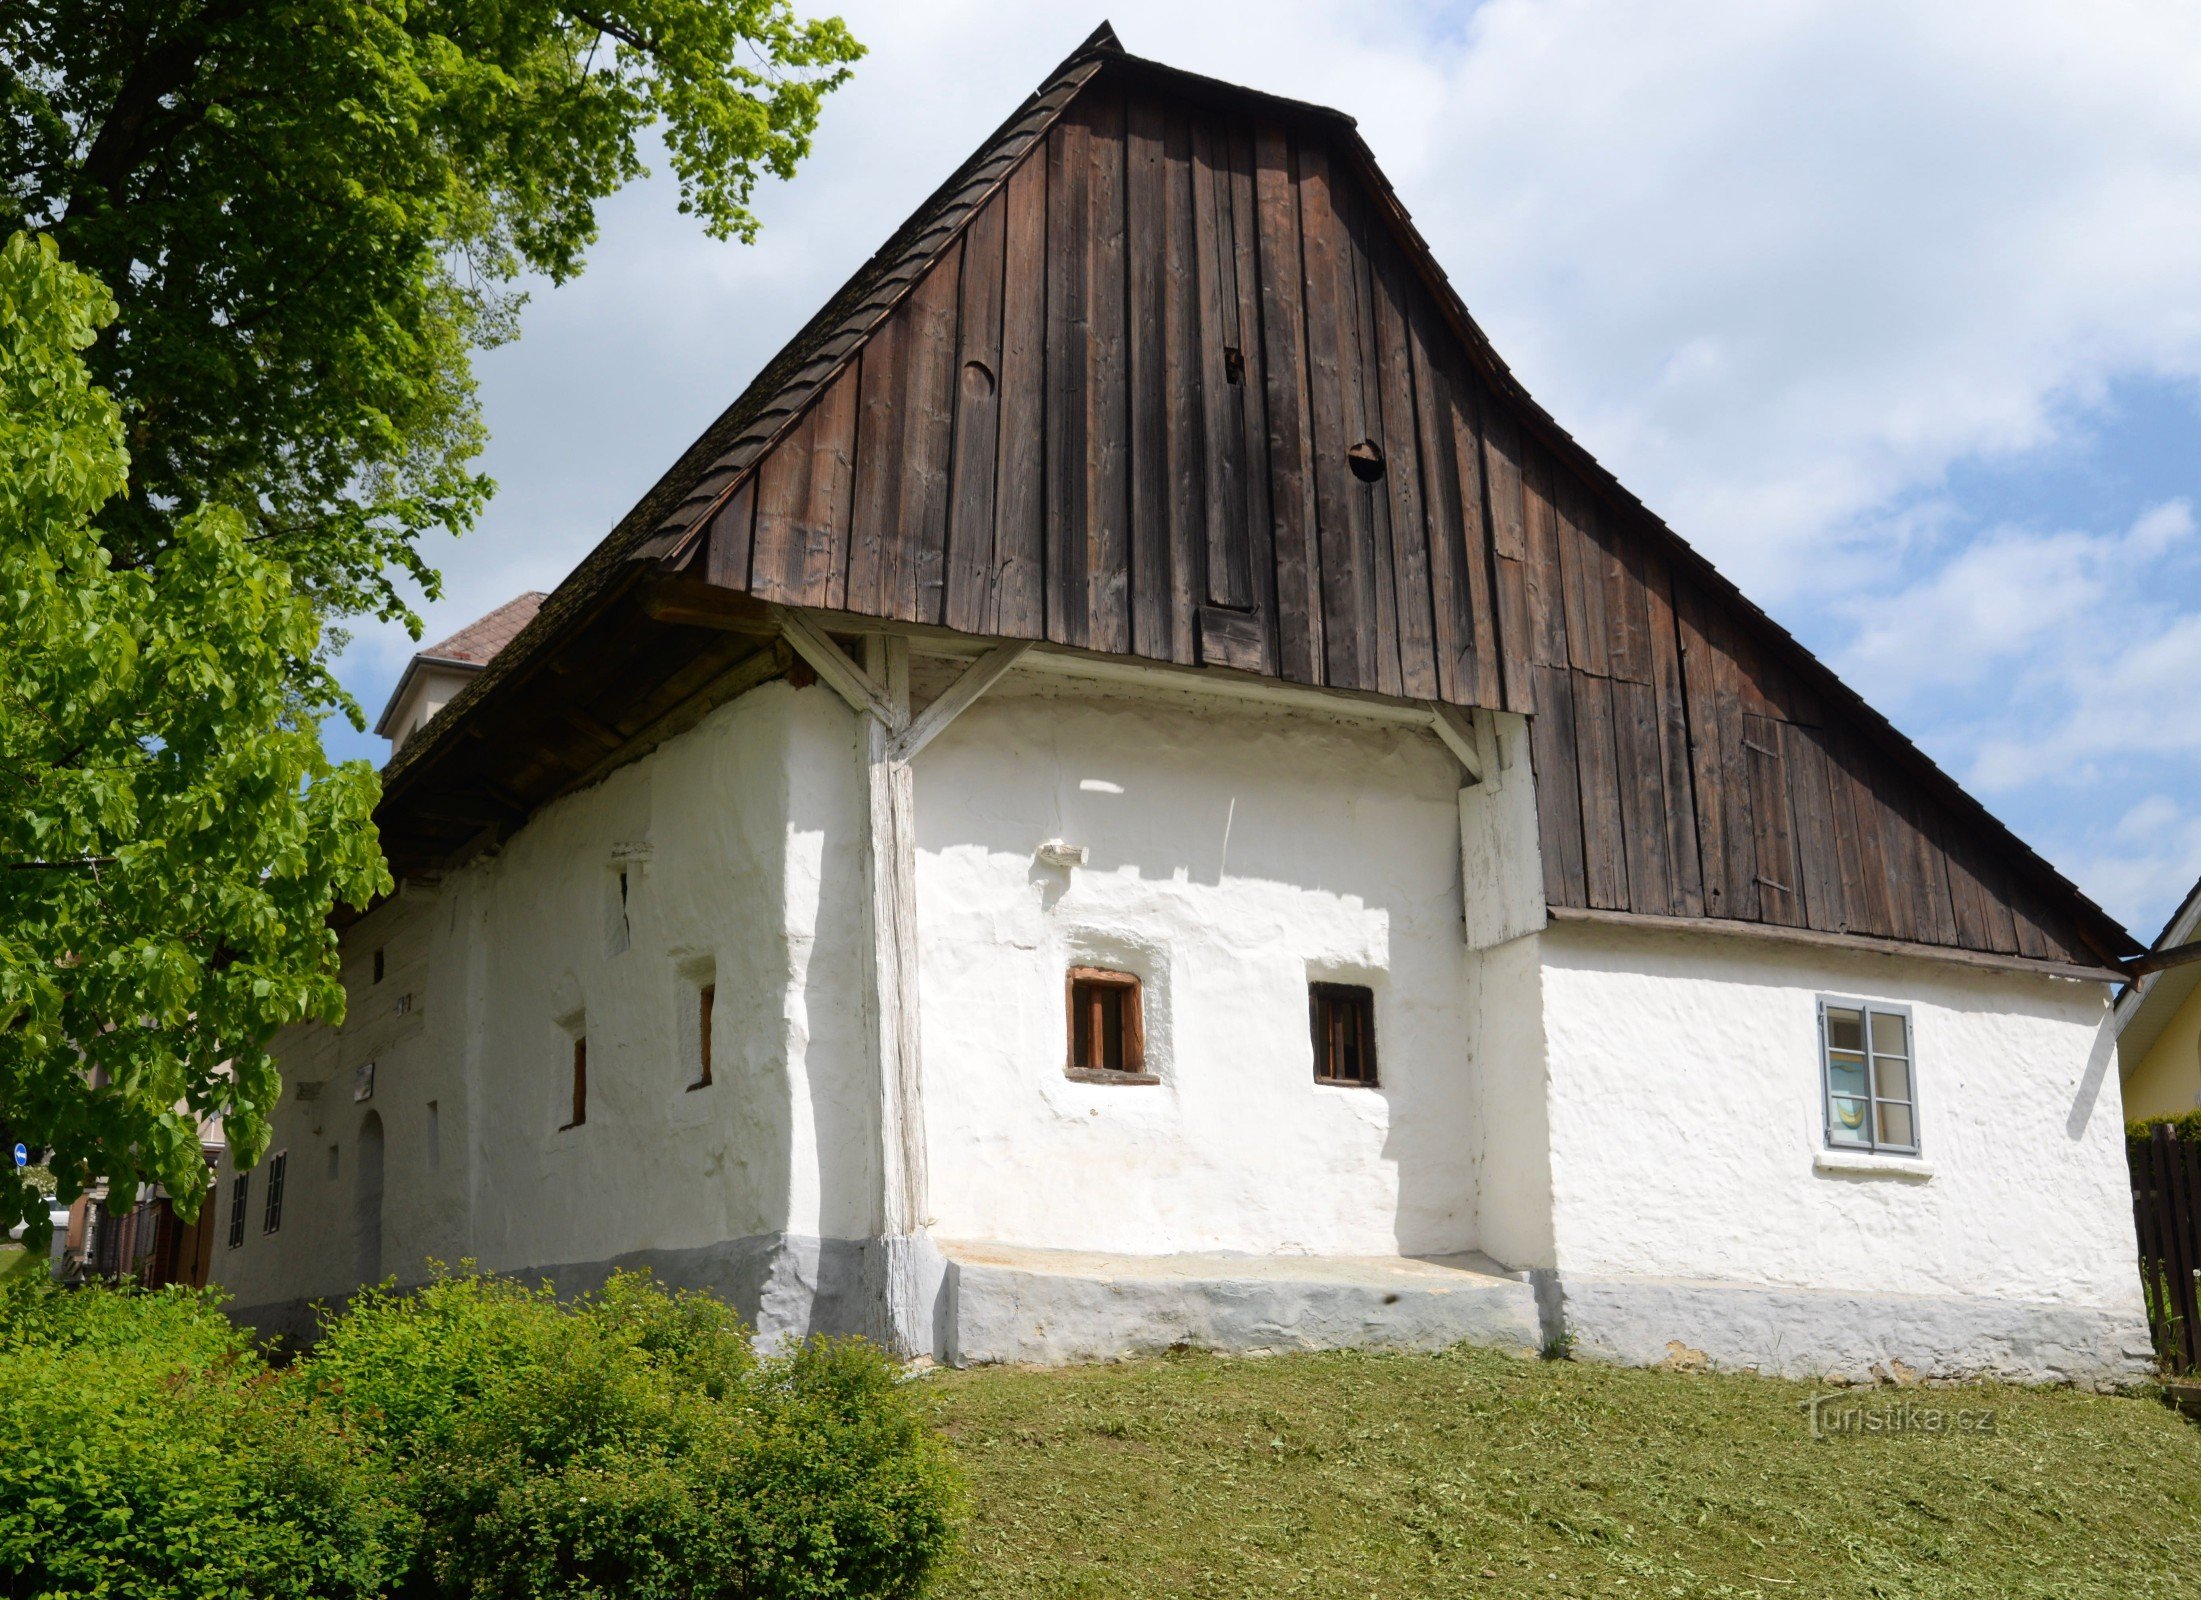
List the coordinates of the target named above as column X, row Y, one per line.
column 1892, row 309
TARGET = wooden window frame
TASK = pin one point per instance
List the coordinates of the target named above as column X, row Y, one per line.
column 240, row 1205
column 580, row 1083
column 1874, row 1099
column 1356, row 994
column 271, row 1208
column 706, row 1000
column 1128, row 985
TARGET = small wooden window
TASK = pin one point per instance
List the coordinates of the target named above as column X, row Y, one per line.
column 1343, row 1016
column 1107, row 1029
column 271, row 1219
column 706, row 998
column 240, row 1191
column 580, row 1081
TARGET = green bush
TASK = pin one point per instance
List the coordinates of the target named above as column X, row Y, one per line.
column 2185, row 1124
column 147, row 1451
column 634, row 1444
column 474, row 1438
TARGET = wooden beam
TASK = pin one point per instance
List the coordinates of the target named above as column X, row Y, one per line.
column 1454, row 727
column 1835, row 943
column 2177, row 955
column 957, row 698
column 842, row 675
column 692, row 603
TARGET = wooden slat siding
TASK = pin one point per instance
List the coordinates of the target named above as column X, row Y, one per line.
column 1107, row 400
column 1018, row 601
column 875, row 495
column 1818, row 859
column 1455, row 611
column 1407, row 478
column 1677, row 774
column 1780, row 892
column 928, row 424
column 1372, row 499
column 1252, row 388
column 1541, row 565
column 1732, row 780
column 1186, row 445
column 732, row 537
column 1552, row 749
column 1067, row 356
column 1581, row 568
column 803, row 499
column 1642, row 784
column 1629, row 580
column 1300, row 645
column 1222, row 459
column 1604, row 847
column 1151, row 277
column 1856, row 841
column 977, row 462
column 1505, row 510
column 1348, row 612
column 1489, row 608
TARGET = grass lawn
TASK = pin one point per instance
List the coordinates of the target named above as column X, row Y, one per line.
column 1473, row 1473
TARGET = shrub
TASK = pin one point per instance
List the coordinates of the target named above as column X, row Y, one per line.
column 146, row 1451
column 634, row 1444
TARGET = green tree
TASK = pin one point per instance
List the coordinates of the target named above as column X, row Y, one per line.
column 171, row 835
column 312, row 211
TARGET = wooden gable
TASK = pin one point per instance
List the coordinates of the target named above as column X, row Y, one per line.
column 1165, row 372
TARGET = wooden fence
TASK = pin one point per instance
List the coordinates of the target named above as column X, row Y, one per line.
column 2166, row 1209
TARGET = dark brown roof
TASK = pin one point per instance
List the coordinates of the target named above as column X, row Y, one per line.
column 480, row 640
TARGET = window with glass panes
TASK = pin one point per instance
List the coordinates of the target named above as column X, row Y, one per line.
column 1866, row 1056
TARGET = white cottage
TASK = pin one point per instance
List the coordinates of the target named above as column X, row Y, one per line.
column 1134, row 789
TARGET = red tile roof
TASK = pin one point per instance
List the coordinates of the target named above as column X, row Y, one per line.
column 482, row 638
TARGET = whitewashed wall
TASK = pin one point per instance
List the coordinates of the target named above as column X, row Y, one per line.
column 510, row 955
column 1686, row 1139
column 1233, row 856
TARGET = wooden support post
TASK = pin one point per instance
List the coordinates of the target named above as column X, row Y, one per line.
column 977, row 678
column 890, row 870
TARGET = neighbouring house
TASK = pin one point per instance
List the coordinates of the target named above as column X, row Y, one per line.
column 437, row 673
column 2159, row 1021
column 1135, row 789
column 137, row 1235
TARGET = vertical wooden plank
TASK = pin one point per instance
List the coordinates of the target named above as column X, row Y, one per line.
column 1405, row 476
column 1580, row 565
column 1250, row 384
column 1214, row 334
column 976, row 471
column 731, row 537
column 1505, row 508
column 1300, row 644
column 1348, row 610
column 803, row 501
column 1371, row 501
column 1818, row 857
column 1018, row 608
column 1542, row 565
column 1604, row 852
column 1455, row 618
column 1773, row 827
column 1858, row 839
column 1628, row 581
column 928, row 437
column 1552, row 746
column 1152, row 275
column 867, row 583
column 1186, row 470
column 1684, row 845
column 1107, row 418
column 1067, row 349
column 1642, row 786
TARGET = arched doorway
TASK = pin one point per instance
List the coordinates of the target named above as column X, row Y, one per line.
column 367, row 1202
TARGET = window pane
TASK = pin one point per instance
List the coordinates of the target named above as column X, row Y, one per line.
column 1845, row 1029
column 1889, row 1035
column 1846, row 1122
column 1892, row 1077
column 1897, row 1131
column 1846, row 1075
column 1111, row 1012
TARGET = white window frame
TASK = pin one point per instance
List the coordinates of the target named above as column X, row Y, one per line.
column 1873, row 1144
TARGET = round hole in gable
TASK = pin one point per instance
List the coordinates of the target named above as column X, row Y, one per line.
column 978, row 380
column 1366, row 460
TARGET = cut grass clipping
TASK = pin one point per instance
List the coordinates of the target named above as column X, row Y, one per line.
column 1358, row 1474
